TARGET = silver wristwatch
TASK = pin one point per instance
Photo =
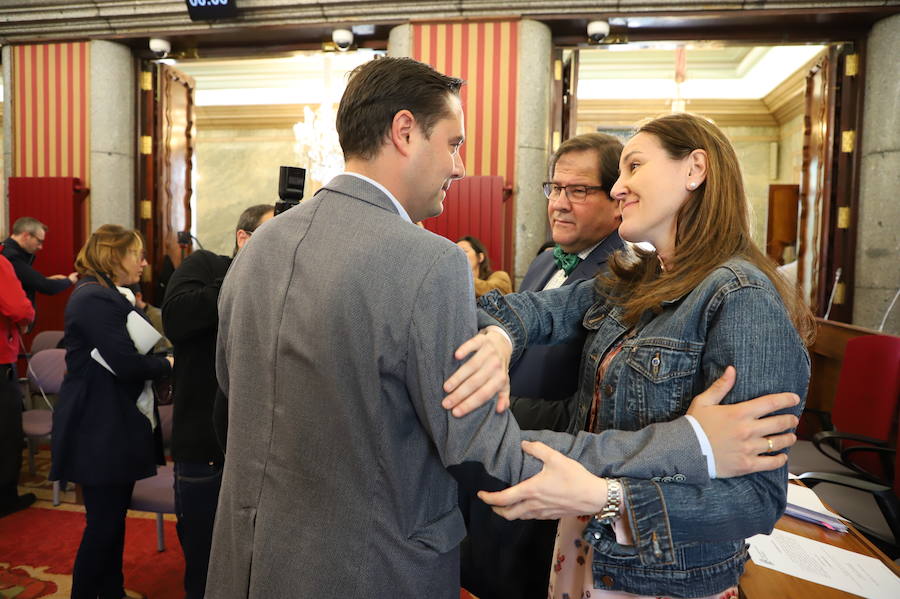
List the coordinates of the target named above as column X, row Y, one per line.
column 613, row 502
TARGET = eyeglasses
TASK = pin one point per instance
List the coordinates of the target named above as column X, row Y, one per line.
column 575, row 193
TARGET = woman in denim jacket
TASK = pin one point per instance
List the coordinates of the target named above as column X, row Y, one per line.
column 662, row 326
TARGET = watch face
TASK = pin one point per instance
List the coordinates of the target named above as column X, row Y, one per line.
column 211, row 10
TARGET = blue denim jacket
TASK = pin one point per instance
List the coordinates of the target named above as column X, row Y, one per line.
column 689, row 540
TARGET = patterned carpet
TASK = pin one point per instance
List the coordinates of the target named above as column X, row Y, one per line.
column 38, row 546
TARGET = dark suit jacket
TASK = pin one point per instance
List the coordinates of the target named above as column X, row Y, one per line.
column 551, row 372
column 501, row 559
column 99, row 435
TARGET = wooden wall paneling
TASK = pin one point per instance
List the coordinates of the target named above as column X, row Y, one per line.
column 838, row 249
column 781, row 230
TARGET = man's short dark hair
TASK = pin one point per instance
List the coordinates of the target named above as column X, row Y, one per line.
column 249, row 219
column 608, row 149
column 379, row 89
column 28, row 224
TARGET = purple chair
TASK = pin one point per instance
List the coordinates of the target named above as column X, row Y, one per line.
column 157, row 493
column 46, row 370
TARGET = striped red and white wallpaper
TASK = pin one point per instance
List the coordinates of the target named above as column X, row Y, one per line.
column 51, row 111
column 484, row 53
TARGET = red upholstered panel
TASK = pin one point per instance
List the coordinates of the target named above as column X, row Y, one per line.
column 474, row 206
column 57, row 202
column 868, row 390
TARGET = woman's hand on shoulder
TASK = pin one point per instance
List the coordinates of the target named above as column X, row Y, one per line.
column 483, row 375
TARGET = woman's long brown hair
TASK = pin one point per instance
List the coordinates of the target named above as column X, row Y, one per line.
column 712, row 226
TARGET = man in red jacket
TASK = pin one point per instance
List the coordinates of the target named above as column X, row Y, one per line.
column 16, row 312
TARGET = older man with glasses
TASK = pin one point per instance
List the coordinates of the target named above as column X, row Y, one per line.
column 502, row 559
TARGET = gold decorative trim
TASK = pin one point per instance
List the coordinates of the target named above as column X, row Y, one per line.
column 786, row 101
column 628, row 113
column 259, row 116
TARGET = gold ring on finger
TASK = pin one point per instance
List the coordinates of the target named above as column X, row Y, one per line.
column 771, row 446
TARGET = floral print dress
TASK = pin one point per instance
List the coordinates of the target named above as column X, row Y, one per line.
column 571, row 576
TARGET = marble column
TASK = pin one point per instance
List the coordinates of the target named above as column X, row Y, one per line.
column 532, row 141
column 113, row 148
column 878, row 229
column 400, row 41
column 7, row 141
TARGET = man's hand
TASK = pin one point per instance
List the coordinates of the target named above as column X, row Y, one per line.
column 562, row 488
column 740, row 433
column 73, row 276
column 483, row 375
column 57, row 277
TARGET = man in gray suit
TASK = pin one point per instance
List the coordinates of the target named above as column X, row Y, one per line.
column 337, row 323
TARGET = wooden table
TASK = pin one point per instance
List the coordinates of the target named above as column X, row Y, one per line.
column 763, row 583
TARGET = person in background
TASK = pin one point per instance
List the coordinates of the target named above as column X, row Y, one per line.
column 191, row 322
column 485, row 279
column 663, row 322
column 106, row 432
column 16, row 313
column 27, row 239
column 503, row 559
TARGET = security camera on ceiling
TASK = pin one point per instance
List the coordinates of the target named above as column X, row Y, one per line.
column 597, row 31
column 160, row 47
column 342, row 38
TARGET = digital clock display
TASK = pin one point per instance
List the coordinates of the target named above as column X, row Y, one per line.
column 210, row 10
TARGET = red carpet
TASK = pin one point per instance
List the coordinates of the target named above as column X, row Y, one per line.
column 38, row 546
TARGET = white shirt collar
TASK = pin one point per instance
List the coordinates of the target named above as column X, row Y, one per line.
column 587, row 251
column 403, row 213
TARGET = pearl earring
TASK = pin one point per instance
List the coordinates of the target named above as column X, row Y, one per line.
column 692, row 185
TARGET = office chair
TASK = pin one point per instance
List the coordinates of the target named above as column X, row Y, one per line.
column 157, row 493
column 865, row 410
column 46, row 370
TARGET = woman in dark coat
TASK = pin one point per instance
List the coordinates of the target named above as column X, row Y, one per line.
column 102, row 439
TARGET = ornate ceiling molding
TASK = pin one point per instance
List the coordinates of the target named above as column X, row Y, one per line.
column 31, row 20
column 627, row 113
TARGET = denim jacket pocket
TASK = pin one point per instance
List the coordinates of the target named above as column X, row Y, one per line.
column 661, row 377
column 443, row 533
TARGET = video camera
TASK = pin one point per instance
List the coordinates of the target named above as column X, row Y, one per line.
column 291, row 182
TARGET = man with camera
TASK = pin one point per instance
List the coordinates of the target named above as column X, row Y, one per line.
column 190, row 321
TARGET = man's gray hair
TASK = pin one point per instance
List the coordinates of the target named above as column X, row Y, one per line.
column 28, row 224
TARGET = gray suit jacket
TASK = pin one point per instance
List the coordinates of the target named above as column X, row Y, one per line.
column 337, row 325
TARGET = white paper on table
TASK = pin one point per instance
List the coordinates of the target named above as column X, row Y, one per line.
column 824, row 564
column 792, row 476
column 806, row 498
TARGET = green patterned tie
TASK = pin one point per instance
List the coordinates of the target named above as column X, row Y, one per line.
column 564, row 260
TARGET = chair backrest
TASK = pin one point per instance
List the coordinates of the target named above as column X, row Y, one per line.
column 46, row 340
column 46, row 369
column 868, row 391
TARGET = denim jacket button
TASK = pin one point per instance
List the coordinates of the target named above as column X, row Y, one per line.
column 596, row 536
column 667, row 479
column 678, row 478
column 655, row 479
column 608, row 390
column 607, row 580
